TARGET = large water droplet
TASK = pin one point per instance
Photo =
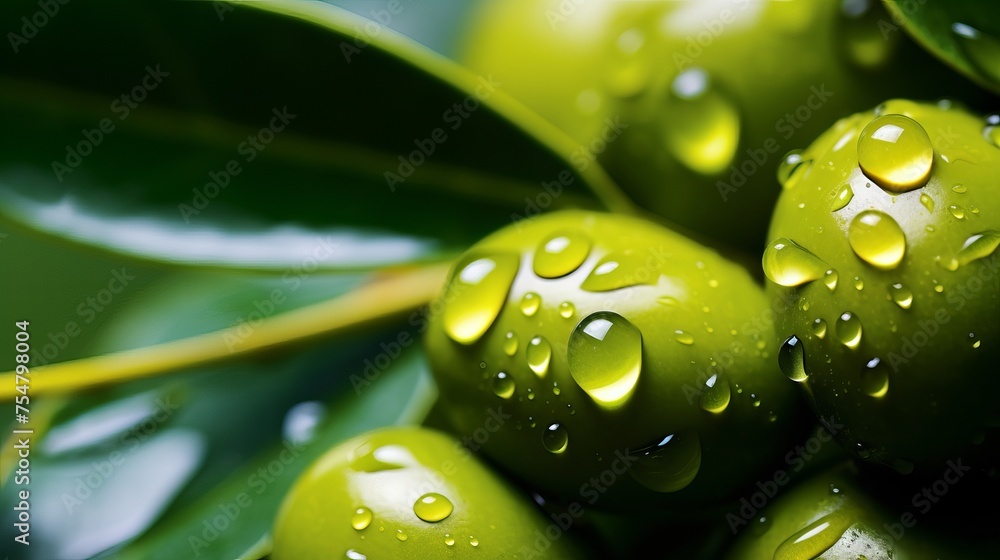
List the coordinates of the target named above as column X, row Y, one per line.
column 510, row 343
column 669, row 464
column 877, row 239
column 362, row 518
column 715, row 395
column 979, row 246
column 479, row 291
column 539, row 354
column 982, row 49
column 701, row 126
column 849, row 329
column 896, row 153
column 788, row 264
column 530, row 304
column 561, row 254
column 792, row 167
column 902, row 295
column 815, row 539
column 555, row 439
column 503, row 385
column 433, row 507
column 605, row 357
column 875, row 378
column 842, row 198
column 355, row 555
column 792, row 359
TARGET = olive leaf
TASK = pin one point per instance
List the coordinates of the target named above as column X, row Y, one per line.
column 963, row 33
column 266, row 135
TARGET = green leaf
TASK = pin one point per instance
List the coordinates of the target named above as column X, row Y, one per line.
column 262, row 136
column 963, row 33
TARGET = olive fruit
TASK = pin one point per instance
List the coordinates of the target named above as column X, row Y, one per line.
column 710, row 94
column 830, row 517
column 576, row 347
column 409, row 493
column 884, row 246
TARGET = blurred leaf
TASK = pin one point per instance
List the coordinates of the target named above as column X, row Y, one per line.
column 202, row 133
column 963, row 33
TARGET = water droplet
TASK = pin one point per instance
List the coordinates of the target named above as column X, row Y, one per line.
column 875, row 378
column 842, row 198
column 803, row 304
column 561, row 254
column 510, row 343
column 566, row 309
column 701, row 126
column 684, row 338
column 716, row 394
column 555, row 439
column 849, row 329
column 939, row 288
column 433, row 507
column 605, row 357
column 896, row 153
column 503, row 385
column 787, row 264
column 949, row 264
column 667, row 300
column 618, row 270
column 362, row 518
column 877, row 239
column 530, row 304
column 819, row 328
column 448, row 540
column 927, row 201
column 400, row 535
column 859, row 284
column 539, row 354
column 792, row 167
column 979, row 246
column 991, row 132
column 830, row 278
column 815, row 538
column 669, row 464
column 957, row 211
column 473, row 541
column 355, row 555
column 982, row 49
column 300, row 422
column 960, row 189
column 385, row 458
column 792, row 359
column 531, row 397
column 902, row 295
column 760, row 528
column 479, row 291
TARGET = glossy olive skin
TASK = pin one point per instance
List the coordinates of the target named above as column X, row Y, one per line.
column 691, row 105
column 387, row 471
column 859, row 526
column 940, row 353
column 678, row 288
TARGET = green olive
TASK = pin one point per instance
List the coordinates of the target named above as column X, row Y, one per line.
column 410, row 493
column 884, row 247
column 607, row 359
column 830, row 517
column 691, row 106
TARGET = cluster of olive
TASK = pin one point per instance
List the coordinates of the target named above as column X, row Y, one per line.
column 608, row 363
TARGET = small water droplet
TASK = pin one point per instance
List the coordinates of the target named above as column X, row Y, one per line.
column 792, row 359
column 959, row 188
column 539, row 353
column 605, row 357
column 618, row 270
column 510, row 343
column 792, row 167
column 362, row 518
column 448, row 540
column 948, row 263
column 701, row 126
column 877, row 239
column 859, row 284
column 561, row 254
column 848, row 329
column 803, row 304
column 566, row 310
column 503, row 385
column 479, row 290
column 875, row 378
column 716, row 394
column 530, row 304
column 473, row 541
column 896, row 153
column 400, row 535
column 842, row 198
column 683, row 337
column 979, row 246
column 991, row 132
column 819, row 328
column 761, row 526
column 830, row 278
column 433, row 507
column 957, row 211
column 927, row 201
column 555, row 439
column 902, row 295
column 669, row 464
column 787, row 264
column 939, row 288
